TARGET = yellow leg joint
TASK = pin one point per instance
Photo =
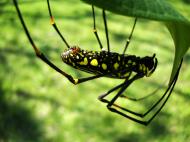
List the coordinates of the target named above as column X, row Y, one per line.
column 52, row 21
column 76, row 81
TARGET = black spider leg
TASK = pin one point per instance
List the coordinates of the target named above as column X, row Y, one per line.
column 101, row 98
column 106, row 29
column 123, row 85
column 130, row 36
column 94, row 28
column 111, row 103
column 40, row 55
column 55, row 25
column 149, row 95
column 141, row 98
column 170, row 88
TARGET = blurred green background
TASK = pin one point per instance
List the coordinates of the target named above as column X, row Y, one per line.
column 37, row 104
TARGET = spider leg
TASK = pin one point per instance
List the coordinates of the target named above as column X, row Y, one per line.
column 142, row 98
column 106, row 29
column 101, row 97
column 124, row 85
column 113, row 109
column 40, row 55
column 127, row 83
column 169, row 89
column 94, row 28
column 154, row 115
column 130, row 36
column 122, row 89
column 144, row 122
column 55, row 25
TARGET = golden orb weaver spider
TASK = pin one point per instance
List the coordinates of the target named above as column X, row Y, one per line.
column 106, row 64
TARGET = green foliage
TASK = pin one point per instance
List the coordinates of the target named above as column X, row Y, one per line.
column 159, row 10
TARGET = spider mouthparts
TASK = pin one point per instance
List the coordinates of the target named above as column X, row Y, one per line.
column 65, row 54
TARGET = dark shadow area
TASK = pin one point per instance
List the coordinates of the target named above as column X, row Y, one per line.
column 186, row 59
column 132, row 137
column 3, row 3
column 15, row 51
column 186, row 1
column 27, row 96
column 152, row 131
column 159, row 128
column 17, row 123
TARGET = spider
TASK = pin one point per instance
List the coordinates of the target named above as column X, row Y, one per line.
column 106, row 64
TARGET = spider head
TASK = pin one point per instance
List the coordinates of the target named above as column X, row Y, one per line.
column 150, row 64
column 72, row 55
column 70, row 52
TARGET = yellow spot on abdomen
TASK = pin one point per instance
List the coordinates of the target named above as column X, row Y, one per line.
column 94, row 62
column 119, row 74
column 144, row 68
column 116, row 65
column 129, row 61
column 119, row 58
column 84, row 62
column 104, row 66
column 140, row 67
